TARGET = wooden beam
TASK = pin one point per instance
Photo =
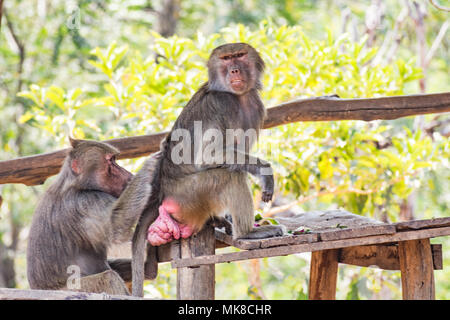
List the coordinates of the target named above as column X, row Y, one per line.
column 379, row 256
column 382, row 256
column 416, row 266
column 422, row 224
column 19, row 294
column 332, row 109
column 323, row 275
column 308, row 247
column 34, row 170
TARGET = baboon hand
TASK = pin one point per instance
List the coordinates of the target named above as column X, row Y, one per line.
column 267, row 185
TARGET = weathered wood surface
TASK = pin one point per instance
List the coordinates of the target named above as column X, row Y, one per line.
column 436, row 250
column 197, row 283
column 416, row 266
column 325, row 220
column 356, row 232
column 34, row 170
column 421, row 224
column 19, row 294
column 382, row 256
column 171, row 251
column 265, row 243
column 323, row 275
column 309, row 247
column 323, row 225
column 331, row 109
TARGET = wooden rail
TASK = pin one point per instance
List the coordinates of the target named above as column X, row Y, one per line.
column 34, row 170
column 19, row 294
column 309, row 247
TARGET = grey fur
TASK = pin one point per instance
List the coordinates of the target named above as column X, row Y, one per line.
column 75, row 221
column 207, row 190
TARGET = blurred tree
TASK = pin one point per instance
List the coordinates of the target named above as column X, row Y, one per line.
column 88, row 68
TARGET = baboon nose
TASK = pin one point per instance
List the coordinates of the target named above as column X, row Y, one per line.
column 235, row 71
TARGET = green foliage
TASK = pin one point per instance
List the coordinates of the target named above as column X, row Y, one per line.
column 340, row 162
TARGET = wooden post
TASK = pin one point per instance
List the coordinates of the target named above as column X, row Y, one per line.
column 323, row 274
column 416, row 266
column 197, row 283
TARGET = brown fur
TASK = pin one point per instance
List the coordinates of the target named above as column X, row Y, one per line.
column 204, row 191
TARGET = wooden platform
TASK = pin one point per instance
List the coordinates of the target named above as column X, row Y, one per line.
column 333, row 237
column 19, row 294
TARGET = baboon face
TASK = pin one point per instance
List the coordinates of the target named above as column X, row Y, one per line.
column 95, row 166
column 235, row 68
column 111, row 177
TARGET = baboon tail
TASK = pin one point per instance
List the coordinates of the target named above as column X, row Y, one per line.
column 142, row 269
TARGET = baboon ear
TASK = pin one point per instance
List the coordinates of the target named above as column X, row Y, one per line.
column 75, row 166
column 74, row 142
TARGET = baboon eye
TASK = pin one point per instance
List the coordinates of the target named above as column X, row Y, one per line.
column 239, row 55
column 226, row 57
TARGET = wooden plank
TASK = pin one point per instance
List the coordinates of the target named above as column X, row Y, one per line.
column 321, row 245
column 36, row 169
column 416, row 266
column 329, row 220
column 382, row 256
column 422, row 224
column 379, row 256
column 19, row 294
column 323, row 275
column 356, row 232
column 197, row 283
column 331, row 109
column 248, row 244
column 436, row 250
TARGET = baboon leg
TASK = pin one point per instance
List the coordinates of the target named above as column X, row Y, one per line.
column 221, row 222
column 240, row 204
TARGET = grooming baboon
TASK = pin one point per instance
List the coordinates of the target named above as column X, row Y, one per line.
column 192, row 192
column 93, row 203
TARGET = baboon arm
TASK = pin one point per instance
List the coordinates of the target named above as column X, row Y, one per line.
column 236, row 160
column 133, row 200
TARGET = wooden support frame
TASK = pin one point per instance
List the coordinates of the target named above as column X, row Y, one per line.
column 308, row 247
column 416, row 266
column 382, row 256
column 323, row 275
column 20, row 294
column 197, row 283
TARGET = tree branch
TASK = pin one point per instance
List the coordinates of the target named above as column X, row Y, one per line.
column 438, row 6
column 36, row 169
column 273, row 211
column 436, row 42
column 20, row 47
column 1, row 13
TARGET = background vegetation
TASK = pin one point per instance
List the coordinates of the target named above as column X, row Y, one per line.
column 107, row 68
